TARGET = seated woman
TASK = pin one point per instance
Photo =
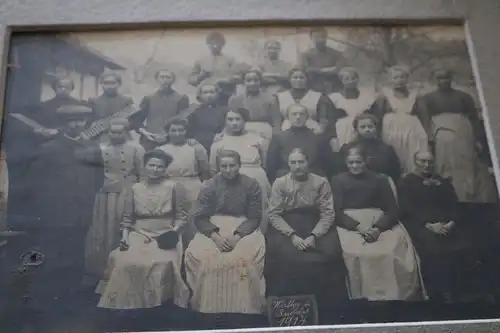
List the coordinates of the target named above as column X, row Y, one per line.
column 321, row 158
column 378, row 252
column 303, row 250
column 190, row 166
column 225, row 260
column 380, row 157
column 251, row 148
column 353, row 101
column 145, row 271
column 429, row 209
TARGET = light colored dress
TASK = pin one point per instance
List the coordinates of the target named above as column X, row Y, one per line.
column 389, row 268
column 251, row 148
column 122, row 167
column 146, row 276
column 310, row 101
column 227, row 282
column 403, row 130
column 353, row 107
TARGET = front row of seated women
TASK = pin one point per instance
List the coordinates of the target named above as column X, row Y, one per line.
column 321, row 235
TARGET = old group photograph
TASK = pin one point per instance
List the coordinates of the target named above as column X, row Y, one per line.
column 238, row 177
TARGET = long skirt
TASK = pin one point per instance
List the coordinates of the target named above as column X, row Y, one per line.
column 144, row 276
column 319, row 272
column 456, row 157
column 406, row 135
column 227, row 282
column 193, row 187
column 103, row 235
column 257, row 173
column 388, row 269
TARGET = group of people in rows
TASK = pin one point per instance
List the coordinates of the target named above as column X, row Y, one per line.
column 297, row 184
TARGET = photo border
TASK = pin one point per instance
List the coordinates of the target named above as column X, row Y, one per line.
column 480, row 18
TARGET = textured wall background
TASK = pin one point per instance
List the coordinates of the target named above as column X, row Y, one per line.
column 481, row 17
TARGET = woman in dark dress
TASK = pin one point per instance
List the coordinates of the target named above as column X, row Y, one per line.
column 321, row 159
column 378, row 252
column 303, row 250
column 380, row 157
column 430, row 210
column 209, row 118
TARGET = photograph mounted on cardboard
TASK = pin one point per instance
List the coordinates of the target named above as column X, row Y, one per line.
column 246, row 177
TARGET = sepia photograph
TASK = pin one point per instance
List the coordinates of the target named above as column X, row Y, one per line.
column 203, row 179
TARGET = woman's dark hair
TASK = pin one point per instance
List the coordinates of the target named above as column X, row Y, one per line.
column 354, row 146
column 254, row 71
column 216, row 37
column 298, row 69
column 178, row 122
column 228, row 153
column 299, row 151
column 244, row 113
column 363, row 116
column 206, row 84
column 159, row 154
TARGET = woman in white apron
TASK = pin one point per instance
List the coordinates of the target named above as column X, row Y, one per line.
column 379, row 255
column 225, row 260
column 353, row 101
column 251, row 148
column 316, row 103
column 189, row 167
column 399, row 109
column 144, row 272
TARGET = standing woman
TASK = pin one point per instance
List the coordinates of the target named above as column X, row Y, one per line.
column 252, row 150
column 304, row 254
column 189, row 166
column 353, row 101
column 321, row 158
column 318, row 106
column 121, row 160
column 145, row 271
column 378, row 252
column 209, row 118
column 400, row 111
column 225, row 260
column 274, row 70
column 380, row 157
column 264, row 117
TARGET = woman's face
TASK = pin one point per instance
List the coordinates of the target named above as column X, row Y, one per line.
column 399, row 79
column 64, row 87
column 355, row 164
column 298, row 80
column 117, row 134
column 234, row 122
column 208, row 94
column 110, row 84
column 297, row 115
column 298, row 164
column 366, row 129
column 165, row 79
column 349, row 80
column 229, row 167
column 155, row 168
column 177, row 133
column 251, row 82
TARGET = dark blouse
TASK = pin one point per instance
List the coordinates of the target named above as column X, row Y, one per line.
column 236, row 197
column 205, row 122
column 424, row 202
column 261, row 107
column 321, row 158
column 380, row 158
column 368, row 190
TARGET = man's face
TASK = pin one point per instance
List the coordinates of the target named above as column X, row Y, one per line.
column 366, row 129
column 117, row 134
column 443, row 80
column 64, row 87
column 424, row 163
column 273, row 50
column 177, row 133
column 229, row 167
column 319, row 38
column 215, row 46
column 110, row 85
column 76, row 126
column 298, row 165
column 297, row 115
